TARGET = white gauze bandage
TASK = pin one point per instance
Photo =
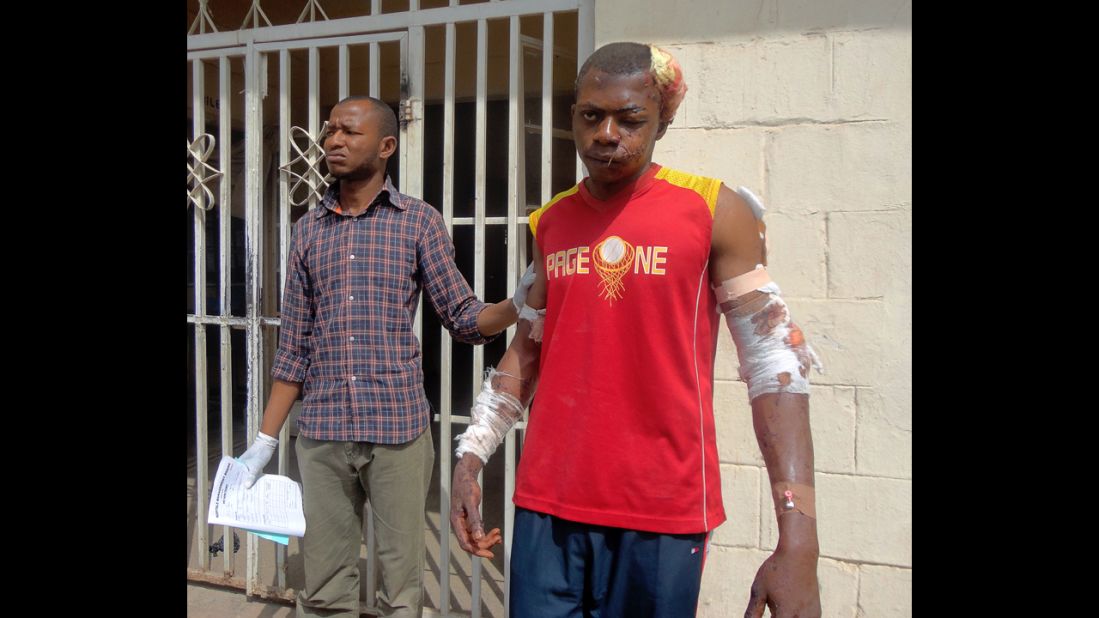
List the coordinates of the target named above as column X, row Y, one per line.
column 492, row 416
column 774, row 355
column 537, row 319
column 757, row 209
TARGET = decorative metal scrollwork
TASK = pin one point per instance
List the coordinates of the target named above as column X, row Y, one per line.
column 314, row 182
column 200, row 173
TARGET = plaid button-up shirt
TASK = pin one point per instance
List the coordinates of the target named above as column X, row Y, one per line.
column 352, row 287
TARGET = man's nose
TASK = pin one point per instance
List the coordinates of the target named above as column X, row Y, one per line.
column 607, row 131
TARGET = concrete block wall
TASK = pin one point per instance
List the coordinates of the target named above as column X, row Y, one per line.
column 808, row 103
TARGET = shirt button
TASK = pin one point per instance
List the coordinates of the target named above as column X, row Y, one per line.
column 352, row 338
column 350, row 298
column 352, row 256
column 352, row 378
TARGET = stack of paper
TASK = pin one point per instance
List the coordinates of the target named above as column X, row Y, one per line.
column 271, row 508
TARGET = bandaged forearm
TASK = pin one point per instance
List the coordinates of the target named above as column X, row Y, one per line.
column 774, row 356
column 494, row 412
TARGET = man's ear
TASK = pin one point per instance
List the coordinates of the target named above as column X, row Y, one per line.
column 387, row 147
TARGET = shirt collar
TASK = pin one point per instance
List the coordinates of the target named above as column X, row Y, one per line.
column 388, row 195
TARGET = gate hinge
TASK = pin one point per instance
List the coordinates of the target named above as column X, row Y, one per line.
column 406, row 116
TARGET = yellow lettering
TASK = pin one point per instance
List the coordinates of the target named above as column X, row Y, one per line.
column 641, row 260
column 570, row 268
column 581, row 259
column 559, row 265
column 549, row 266
column 659, row 259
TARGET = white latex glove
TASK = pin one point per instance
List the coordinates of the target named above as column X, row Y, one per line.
column 520, row 297
column 257, row 456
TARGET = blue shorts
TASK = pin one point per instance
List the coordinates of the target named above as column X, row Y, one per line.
column 561, row 568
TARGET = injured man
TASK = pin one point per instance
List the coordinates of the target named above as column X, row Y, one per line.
column 618, row 488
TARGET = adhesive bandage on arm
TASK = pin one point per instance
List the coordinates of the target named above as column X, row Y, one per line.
column 791, row 497
column 493, row 414
column 774, row 356
column 537, row 319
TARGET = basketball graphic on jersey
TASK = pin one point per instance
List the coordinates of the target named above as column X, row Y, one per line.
column 612, row 259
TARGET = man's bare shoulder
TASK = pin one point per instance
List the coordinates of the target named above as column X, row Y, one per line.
column 732, row 212
column 736, row 244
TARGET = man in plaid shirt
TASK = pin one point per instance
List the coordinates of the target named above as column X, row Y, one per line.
column 356, row 267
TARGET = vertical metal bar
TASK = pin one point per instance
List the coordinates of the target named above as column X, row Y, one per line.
column 402, row 148
column 517, row 235
column 547, row 108
column 585, row 31
column 445, row 347
column 253, row 242
column 415, row 69
column 477, row 567
column 516, row 192
column 375, row 50
column 509, row 514
column 413, row 62
column 585, row 45
column 412, row 65
column 224, row 274
column 445, row 361
column 414, row 139
column 516, row 153
column 344, row 62
column 284, row 158
column 262, row 300
column 314, row 107
column 479, row 247
column 479, row 179
column 284, row 249
column 199, row 127
column 375, row 69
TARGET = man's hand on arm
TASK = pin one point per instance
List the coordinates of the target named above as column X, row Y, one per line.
column 496, row 317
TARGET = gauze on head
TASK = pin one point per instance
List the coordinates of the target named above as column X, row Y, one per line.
column 669, row 80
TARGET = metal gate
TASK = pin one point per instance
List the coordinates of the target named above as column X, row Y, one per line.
column 258, row 98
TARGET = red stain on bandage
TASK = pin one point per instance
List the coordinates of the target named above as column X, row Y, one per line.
column 773, row 315
column 796, row 337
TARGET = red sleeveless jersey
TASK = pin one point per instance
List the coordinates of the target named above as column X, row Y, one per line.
column 621, row 432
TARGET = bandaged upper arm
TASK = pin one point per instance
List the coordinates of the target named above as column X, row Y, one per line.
column 774, row 356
